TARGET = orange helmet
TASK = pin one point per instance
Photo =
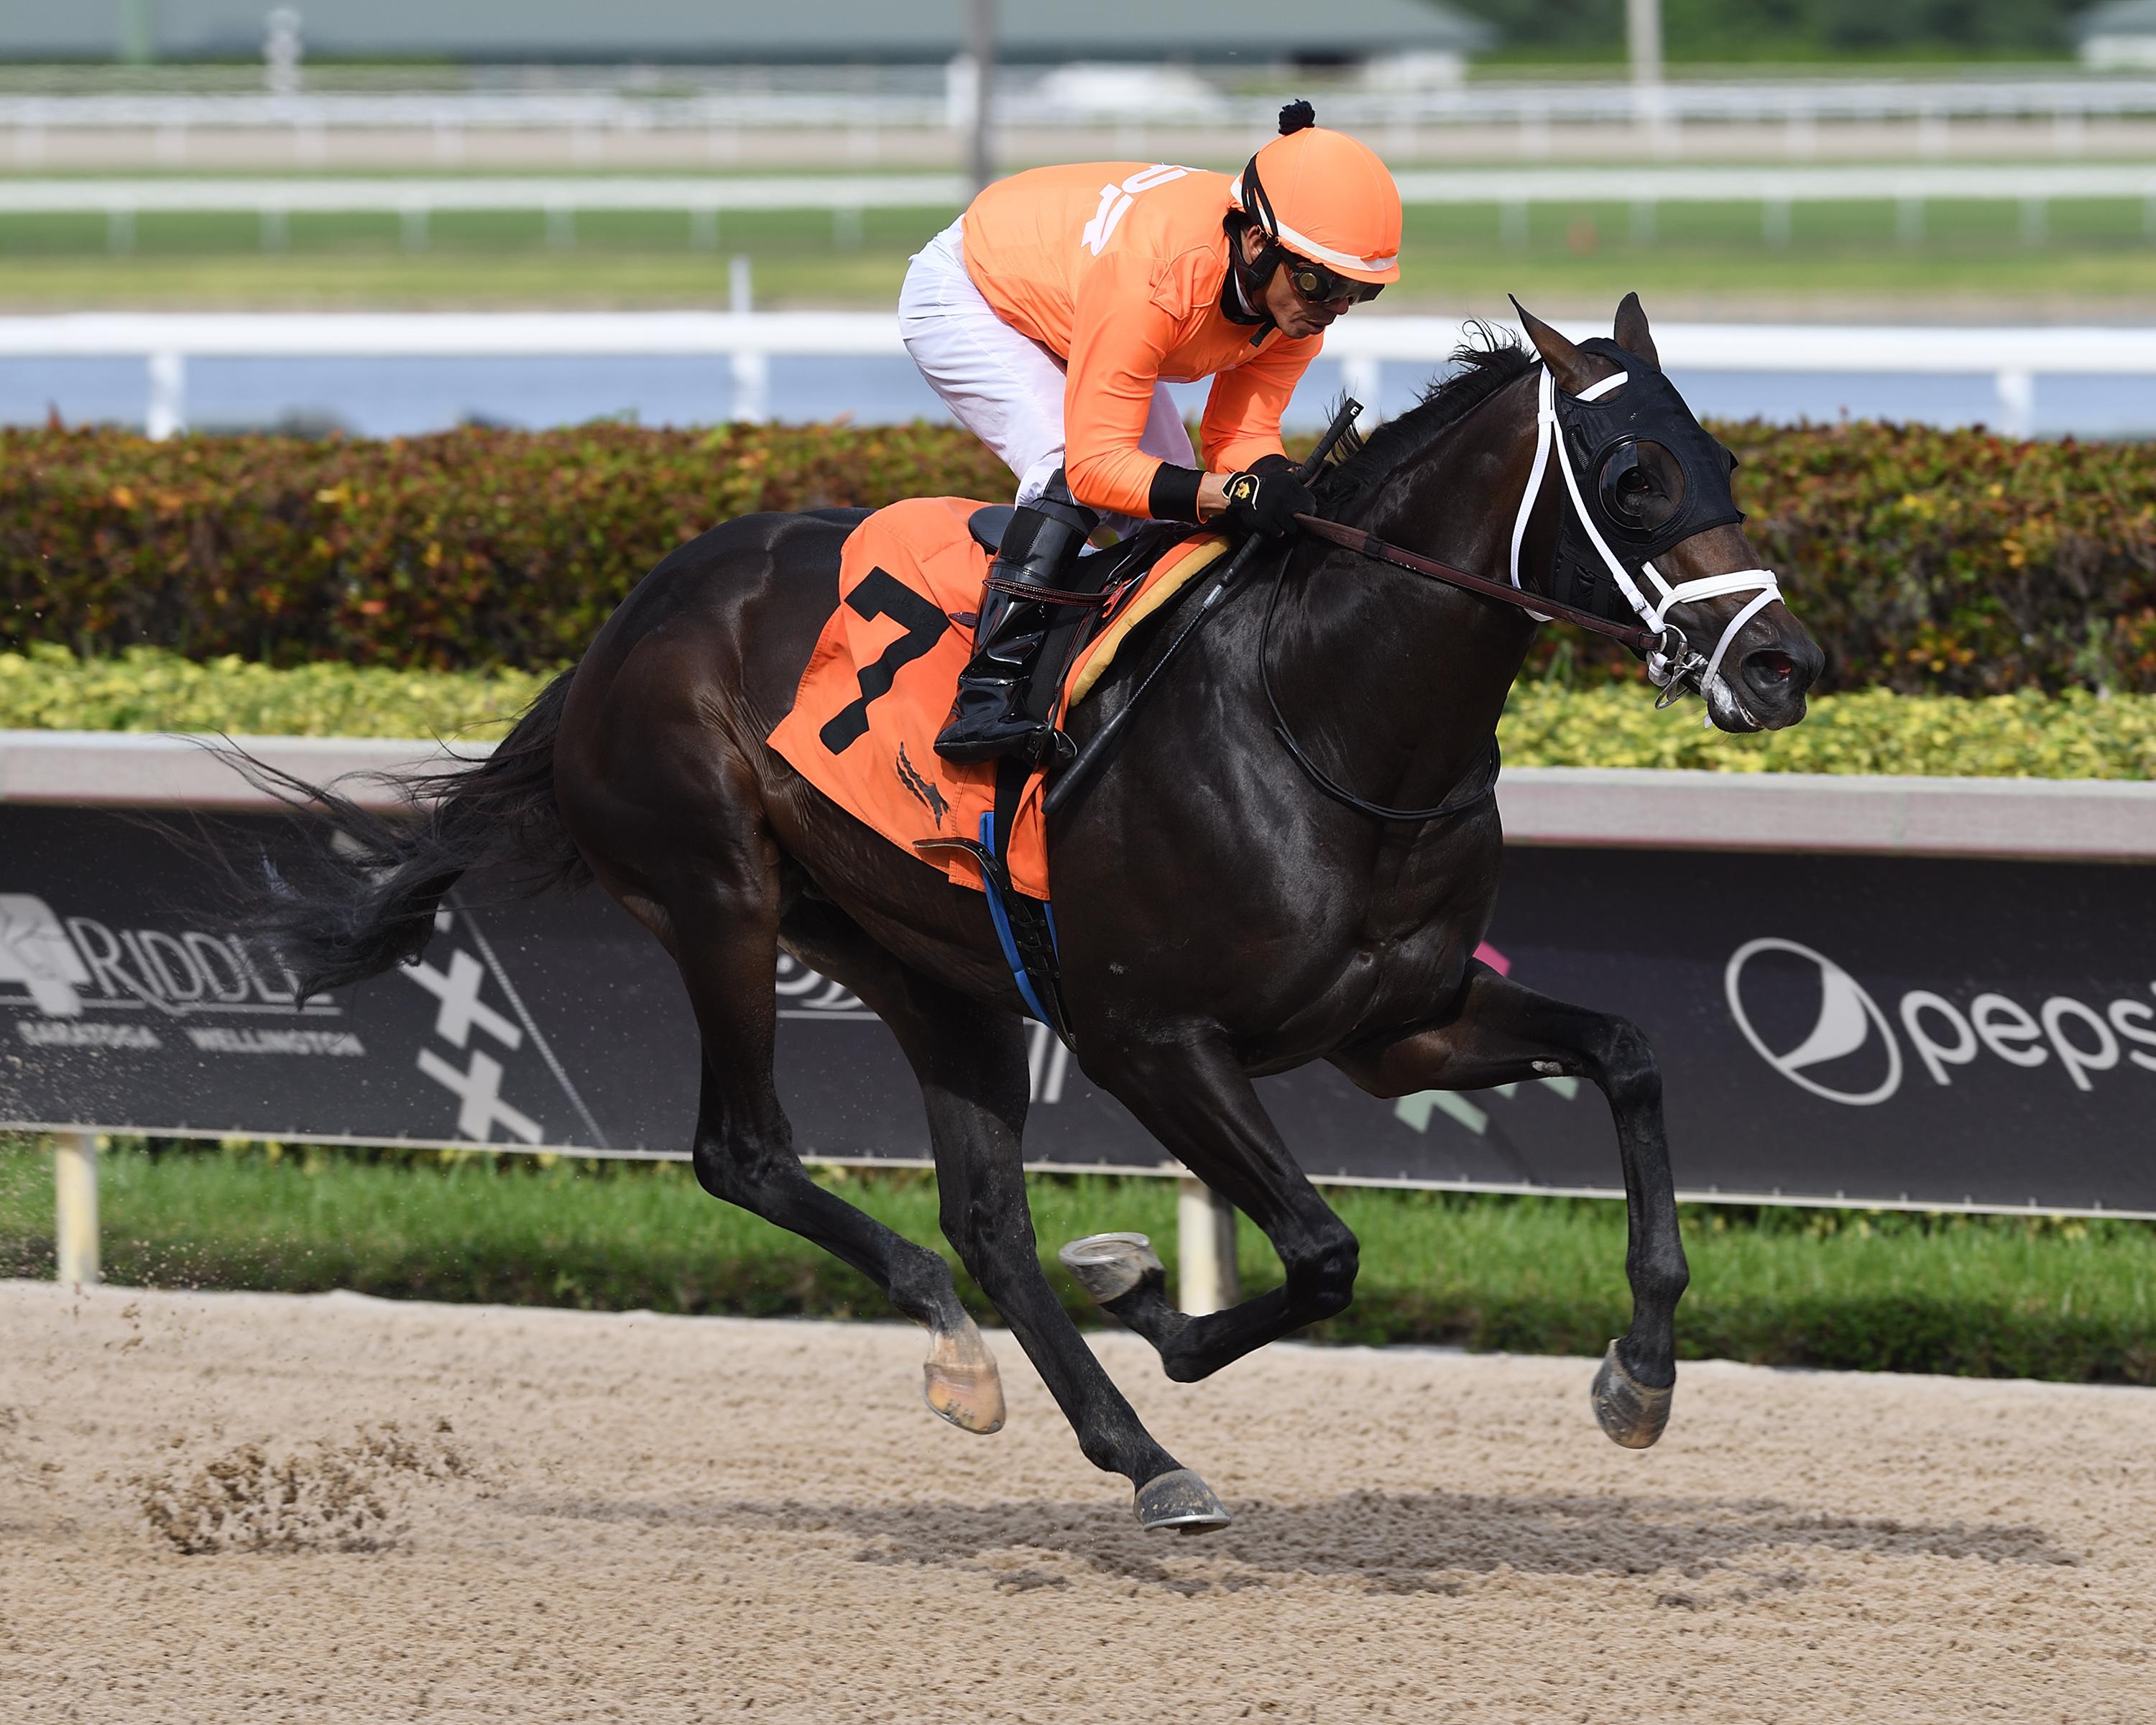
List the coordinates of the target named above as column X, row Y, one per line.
column 1321, row 195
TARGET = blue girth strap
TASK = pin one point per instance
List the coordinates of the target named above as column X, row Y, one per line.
column 1025, row 926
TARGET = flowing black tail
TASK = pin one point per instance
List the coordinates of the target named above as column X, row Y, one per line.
column 357, row 895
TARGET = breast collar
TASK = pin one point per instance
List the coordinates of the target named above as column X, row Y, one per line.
column 1600, row 557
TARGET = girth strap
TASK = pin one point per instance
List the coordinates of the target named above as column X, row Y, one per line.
column 1024, row 926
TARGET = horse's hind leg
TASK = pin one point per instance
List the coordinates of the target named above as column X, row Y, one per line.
column 971, row 1060
column 1504, row 1034
column 723, row 932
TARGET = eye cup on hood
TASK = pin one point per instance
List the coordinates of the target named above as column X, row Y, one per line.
column 1641, row 483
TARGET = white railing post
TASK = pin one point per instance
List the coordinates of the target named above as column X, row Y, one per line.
column 2017, row 402
column 1205, row 1249
column 74, row 1207
column 752, row 374
column 412, row 226
column 167, row 413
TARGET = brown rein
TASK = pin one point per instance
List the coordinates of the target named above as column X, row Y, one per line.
column 1639, row 641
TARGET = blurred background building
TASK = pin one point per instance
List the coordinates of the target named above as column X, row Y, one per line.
column 734, row 31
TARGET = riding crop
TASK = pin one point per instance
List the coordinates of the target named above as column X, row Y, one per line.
column 1089, row 759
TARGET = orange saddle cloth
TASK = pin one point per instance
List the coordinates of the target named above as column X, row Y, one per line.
column 879, row 686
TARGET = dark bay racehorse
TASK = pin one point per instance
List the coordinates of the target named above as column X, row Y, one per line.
column 1221, row 918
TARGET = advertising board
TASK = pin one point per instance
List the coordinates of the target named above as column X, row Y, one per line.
column 1859, row 1029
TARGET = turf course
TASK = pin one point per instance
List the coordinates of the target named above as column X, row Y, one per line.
column 1978, row 1295
column 1454, row 257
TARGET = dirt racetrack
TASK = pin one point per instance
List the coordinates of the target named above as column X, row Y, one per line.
column 658, row 1519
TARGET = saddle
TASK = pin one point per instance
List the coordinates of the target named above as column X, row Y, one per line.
column 879, row 686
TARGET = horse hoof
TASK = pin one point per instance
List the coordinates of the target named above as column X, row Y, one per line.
column 1109, row 1265
column 1180, row 1501
column 960, row 1383
column 1628, row 1412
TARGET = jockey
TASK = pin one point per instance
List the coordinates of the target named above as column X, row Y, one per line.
column 1050, row 317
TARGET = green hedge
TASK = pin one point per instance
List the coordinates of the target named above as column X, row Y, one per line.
column 1949, row 562
column 477, row 546
column 1959, row 561
column 2028, row 735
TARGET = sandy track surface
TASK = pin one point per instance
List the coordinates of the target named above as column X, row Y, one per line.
column 590, row 1516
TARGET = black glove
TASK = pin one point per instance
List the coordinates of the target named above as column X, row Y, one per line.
column 1267, row 499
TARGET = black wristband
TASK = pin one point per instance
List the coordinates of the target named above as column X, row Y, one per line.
column 1174, row 493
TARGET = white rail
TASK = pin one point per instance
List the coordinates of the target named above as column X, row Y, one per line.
column 1895, row 182
column 919, row 99
column 2012, row 357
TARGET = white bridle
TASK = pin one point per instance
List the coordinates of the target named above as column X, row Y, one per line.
column 1669, row 672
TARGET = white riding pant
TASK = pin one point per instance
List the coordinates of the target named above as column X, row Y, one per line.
column 1004, row 387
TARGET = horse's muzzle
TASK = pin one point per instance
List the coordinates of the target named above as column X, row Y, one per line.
column 1772, row 681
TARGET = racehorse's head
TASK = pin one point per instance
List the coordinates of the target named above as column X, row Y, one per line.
column 1648, row 527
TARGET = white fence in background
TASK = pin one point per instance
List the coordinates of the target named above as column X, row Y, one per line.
column 2012, row 356
column 914, row 98
column 703, row 199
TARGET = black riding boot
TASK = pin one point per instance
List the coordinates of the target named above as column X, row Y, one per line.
column 996, row 713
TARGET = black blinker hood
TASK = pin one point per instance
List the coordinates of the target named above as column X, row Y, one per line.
column 1644, row 409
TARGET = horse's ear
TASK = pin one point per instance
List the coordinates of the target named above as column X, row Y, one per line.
column 1574, row 370
column 1632, row 333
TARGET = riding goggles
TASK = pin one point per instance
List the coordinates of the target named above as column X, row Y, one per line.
column 1319, row 285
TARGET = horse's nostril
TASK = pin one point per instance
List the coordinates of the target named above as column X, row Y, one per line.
column 1771, row 666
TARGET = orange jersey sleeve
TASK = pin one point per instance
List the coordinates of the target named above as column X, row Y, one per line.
column 1121, row 333
column 1242, row 410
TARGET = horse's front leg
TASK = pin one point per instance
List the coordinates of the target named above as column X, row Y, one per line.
column 1501, row 1033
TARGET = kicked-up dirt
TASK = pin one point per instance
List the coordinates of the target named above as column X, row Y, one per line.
column 256, row 1507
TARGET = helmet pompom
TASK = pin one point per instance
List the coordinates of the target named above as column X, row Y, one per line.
column 1295, row 115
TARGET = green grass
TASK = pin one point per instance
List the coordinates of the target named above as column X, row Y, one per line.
column 1982, row 1295
column 2024, row 735
column 1455, row 258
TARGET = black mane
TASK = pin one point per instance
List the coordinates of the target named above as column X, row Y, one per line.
column 1485, row 363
